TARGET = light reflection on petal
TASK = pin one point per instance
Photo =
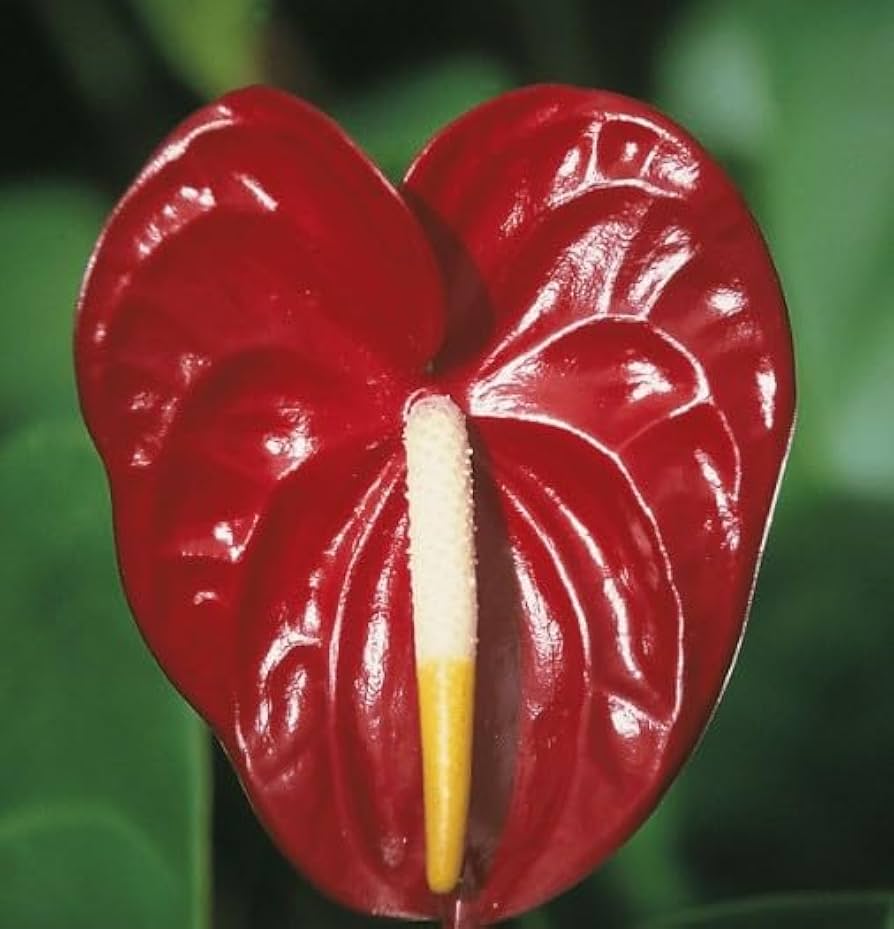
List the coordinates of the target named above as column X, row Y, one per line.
column 675, row 168
column 295, row 698
column 622, row 619
column 258, row 193
column 233, row 536
column 723, row 500
column 281, row 645
column 766, row 388
column 645, row 379
column 291, row 444
column 609, row 585
column 671, row 252
column 625, row 717
column 371, row 682
column 727, row 301
column 203, row 196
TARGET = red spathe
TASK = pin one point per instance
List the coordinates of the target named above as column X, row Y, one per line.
column 586, row 284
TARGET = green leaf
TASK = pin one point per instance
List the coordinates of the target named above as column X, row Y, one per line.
column 558, row 41
column 104, row 785
column 536, row 919
column 46, row 234
column 394, row 120
column 649, row 871
column 81, row 867
column 824, row 188
column 214, row 45
column 830, row 205
column 800, row 911
column 716, row 81
column 791, row 785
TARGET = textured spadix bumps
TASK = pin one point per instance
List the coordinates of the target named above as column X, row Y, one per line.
column 578, row 276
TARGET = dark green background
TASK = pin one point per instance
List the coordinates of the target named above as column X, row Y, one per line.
column 115, row 813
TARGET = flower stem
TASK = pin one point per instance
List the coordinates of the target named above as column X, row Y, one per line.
column 460, row 914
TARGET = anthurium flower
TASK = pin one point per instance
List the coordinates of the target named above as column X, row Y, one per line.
column 574, row 295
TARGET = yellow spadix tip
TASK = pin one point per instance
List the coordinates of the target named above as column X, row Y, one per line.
column 445, row 617
column 446, row 708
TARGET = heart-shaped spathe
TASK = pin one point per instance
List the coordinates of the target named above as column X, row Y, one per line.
column 579, row 276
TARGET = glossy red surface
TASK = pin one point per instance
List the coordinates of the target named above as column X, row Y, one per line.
column 583, row 280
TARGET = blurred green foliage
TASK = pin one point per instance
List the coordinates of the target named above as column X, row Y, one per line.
column 103, row 793
column 213, row 45
column 810, row 127
column 46, row 233
column 392, row 121
column 104, row 802
column 805, row 911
